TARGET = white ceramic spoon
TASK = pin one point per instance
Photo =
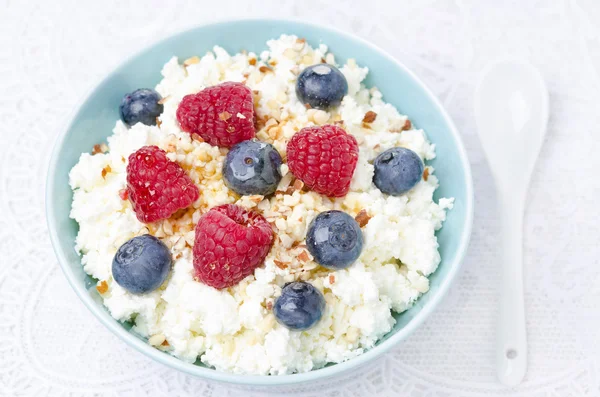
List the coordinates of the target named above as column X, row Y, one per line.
column 511, row 112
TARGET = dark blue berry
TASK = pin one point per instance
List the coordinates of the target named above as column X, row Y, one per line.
column 300, row 305
column 252, row 167
column 321, row 86
column 334, row 239
column 141, row 106
column 397, row 170
column 142, row 264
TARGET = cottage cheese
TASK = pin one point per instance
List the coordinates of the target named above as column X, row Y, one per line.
column 234, row 329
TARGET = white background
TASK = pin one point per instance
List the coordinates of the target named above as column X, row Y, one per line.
column 53, row 52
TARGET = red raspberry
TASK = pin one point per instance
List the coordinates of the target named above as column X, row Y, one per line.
column 324, row 158
column 222, row 115
column 230, row 243
column 157, row 187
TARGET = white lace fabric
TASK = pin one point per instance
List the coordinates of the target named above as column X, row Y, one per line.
column 51, row 53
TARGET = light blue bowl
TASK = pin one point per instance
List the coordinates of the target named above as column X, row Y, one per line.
column 95, row 118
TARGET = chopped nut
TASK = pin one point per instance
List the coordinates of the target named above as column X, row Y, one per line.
column 158, row 122
column 298, row 184
column 300, row 40
column 265, row 69
column 102, row 287
column 191, row 61
column 332, row 279
column 168, row 228
column 197, row 137
column 280, row 264
column 323, row 60
column 366, row 125
column 370, row 116
column 224, row 116
column 165, row 343
column 307, row 105
column 96, row 149
column 362, row 218
column 426, row 174
column 304, row 256
column 407, row 125
column 106, row 170
column 269, row 305
column 240, row 116
column 163, row 100
column 156, row 340
column 273, row 62
column 252, row 61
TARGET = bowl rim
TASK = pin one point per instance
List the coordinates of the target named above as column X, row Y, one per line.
column 261, row 380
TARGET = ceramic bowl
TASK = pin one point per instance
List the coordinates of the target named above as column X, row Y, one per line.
column 94, row 120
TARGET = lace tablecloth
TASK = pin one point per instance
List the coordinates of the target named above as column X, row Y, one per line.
column 52, row 52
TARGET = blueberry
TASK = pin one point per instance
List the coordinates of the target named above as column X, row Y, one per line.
column 141, row 264
column 141, row 106
column 300, row 305
column 252, row 167
column 321, row 86
column 397, row 170
column 334, row 239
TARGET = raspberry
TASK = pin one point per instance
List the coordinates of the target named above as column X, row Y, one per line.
column 222, row 115
column 230, row 243
column 324, row 158
column 157, row 187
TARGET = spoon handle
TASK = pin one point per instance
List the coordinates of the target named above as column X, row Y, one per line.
column 512, row 338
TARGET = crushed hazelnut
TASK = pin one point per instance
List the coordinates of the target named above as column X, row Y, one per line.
column 273, row 62
column 224, row 116
column 300, row 40
column 307, row 105
column 102, row 287
column 407, row 125
column 197, row 137
column 370, row 116
column 96, row 149
column 165, row 343
column 304, row 256
column 362, row 218
column 252, row 61
column 191, row 61
column 280, row 264
column 269, row 305
column 323, row 60
column 366, row 125
column 265, row 69
column 163, row 100
column 298, row 184
column 158, row 122
column 426, row 174
column 332, row 279
column 106, row 170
